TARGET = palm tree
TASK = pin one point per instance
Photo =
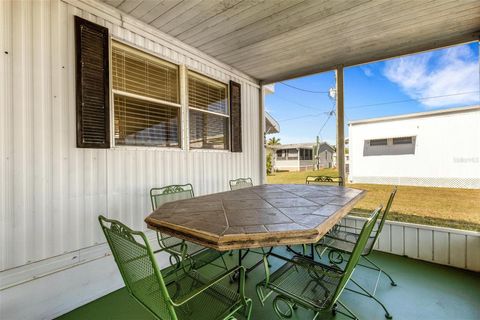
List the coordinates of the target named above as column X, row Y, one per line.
column 273, row 141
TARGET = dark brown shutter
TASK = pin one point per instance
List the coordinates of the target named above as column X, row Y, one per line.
column 236, row 116
column 92, row 82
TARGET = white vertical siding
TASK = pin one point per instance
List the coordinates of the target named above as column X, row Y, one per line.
column 50, row 191
column 456, row 248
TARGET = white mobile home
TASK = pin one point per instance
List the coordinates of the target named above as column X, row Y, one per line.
column 438, row 148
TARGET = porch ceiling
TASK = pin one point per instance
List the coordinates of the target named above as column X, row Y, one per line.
column 273, row 40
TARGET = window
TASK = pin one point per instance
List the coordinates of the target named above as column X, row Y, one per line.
column 209, row 114
column 378, row 142
column 389, row 146
column 146, row 99
column 305, row 154
column 281, row 154
column 403, row 140
column 292, row 154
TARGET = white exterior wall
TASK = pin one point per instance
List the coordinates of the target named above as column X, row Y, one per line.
column 291, row 165
column 52, row 192
column 447, row 151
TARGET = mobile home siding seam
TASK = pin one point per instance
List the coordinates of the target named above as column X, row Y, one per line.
column 51, row 191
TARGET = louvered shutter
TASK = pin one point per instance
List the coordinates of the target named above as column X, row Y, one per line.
column 92, row 82
column 236, row 116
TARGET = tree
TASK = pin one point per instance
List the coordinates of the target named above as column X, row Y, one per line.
column 273, row 141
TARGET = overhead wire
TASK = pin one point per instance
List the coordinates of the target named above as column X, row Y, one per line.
column 301, row 89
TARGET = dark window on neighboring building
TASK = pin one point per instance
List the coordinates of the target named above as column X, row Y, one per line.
column 378, row 142
column 292, row 154
column 403, row 140
column 305, row 154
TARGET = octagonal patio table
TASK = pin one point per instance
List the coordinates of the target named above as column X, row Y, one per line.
column 260, row 216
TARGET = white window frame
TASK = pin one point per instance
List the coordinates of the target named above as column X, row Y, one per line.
column 188, row 108
column 180, row 105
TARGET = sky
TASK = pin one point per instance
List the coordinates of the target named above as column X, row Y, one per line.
column 433, row 80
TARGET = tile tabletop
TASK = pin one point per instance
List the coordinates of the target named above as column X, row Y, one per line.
column 260, row 216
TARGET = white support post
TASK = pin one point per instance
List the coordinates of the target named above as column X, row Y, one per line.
column 340, row 124
column 262, row 163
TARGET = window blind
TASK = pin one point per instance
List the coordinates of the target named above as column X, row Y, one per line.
column 144, row 123
column 206, row 94
column 139, row 73
column 146, row 99
column 209, row 115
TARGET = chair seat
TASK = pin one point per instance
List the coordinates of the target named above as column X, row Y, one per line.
column 216, row 302
column 344, row 241
column 306, row 282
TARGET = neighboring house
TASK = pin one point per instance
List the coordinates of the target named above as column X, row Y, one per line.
column 301, row 156
column 271, row 125
column 437, row 148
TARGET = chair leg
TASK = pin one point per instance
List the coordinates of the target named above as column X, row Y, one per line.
column 349, row 312
column 392, row 282
column 248, row 308
column 368, row 294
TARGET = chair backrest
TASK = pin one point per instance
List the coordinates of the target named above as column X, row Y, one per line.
column 138, row 267
column 162, row 195
column 324, row 180
column 240, row 183
column 382, row 217
column 357, row 251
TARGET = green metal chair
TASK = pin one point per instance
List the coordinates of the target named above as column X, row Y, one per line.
column 180, row 249
column 175, row 292
column 324, row 180
column 341, row 241
column 240, row 183
column 301, row 281
column 236, row 184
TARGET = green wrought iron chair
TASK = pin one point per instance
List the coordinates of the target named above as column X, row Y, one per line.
column 240, row 183
column 341, row 240
column 180, row 249
column 301, row 281
column 236, row 184
column 324, row 180
column 175, row 292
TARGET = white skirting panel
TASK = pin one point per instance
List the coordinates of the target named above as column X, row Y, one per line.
column 453, row 247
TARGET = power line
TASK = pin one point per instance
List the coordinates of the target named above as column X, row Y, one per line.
column 300, row 89
column 330, row 114
column 305, row 116
column 409, row 100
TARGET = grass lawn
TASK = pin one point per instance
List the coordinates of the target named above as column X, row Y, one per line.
column 455, row 208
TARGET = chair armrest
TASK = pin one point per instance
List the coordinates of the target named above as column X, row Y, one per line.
column 199, row 290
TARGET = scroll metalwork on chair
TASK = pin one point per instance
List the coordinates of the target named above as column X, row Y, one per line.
column 240, row 183
column 179, row 249
column 175, row 292
column 341, row 240
column 324, row 180
column 301, row 281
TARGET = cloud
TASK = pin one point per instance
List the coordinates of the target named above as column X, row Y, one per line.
column 446, row 72
column 367, row 71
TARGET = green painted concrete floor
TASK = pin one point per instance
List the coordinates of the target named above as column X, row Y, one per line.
column 424, row 291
